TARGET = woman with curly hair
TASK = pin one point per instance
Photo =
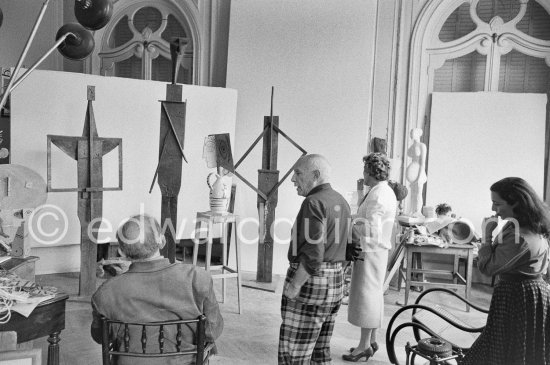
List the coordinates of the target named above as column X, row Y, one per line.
column 374, row 223
column 518, row 324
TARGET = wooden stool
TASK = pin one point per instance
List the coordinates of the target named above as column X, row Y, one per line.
column 226, row 272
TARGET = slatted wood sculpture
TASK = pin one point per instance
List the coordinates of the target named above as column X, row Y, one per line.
column 268, row 184
column 172, row 133
column 88, row 150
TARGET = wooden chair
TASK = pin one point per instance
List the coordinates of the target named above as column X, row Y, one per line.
column 435, row 327
column 126, row 344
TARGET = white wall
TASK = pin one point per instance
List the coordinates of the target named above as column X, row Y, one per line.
column 50, row 102
column 19, row 19
column 479, row 138
column 318, row 56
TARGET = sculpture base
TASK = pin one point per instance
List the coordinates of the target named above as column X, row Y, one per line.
column 248, row 280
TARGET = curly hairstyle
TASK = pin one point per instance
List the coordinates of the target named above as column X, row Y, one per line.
column 529, row 210
column 377, row 165
column 443, row 208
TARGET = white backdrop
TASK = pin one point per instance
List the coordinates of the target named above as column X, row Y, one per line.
column 321, row 71
column 479, row 138
column 49, row 102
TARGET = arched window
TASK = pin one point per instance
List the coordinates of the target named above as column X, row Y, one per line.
column 479, row 45
column 470, row 45
column 136, row 42
column 517, row 70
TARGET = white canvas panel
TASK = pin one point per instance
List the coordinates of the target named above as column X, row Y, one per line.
column 55, row 103
column 477, row 139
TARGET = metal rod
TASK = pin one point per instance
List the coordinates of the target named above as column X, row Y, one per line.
column 274, row 189
column 40, row 60
column 174, row 131
column 24, row 53
column 289, row 139
column 251, row 147
column 243, row 179
column 270, row 151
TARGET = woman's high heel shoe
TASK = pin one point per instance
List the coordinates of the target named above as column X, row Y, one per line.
column 366, row 354
column 354, row 358
column 374, row 346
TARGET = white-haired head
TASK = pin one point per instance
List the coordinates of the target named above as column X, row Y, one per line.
column 140, row 237
column 310, row 171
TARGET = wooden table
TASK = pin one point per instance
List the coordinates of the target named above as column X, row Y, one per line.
column 459, row 282
column 47, row 319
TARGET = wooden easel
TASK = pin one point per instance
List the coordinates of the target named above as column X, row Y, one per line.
column 396, row 261
column 88, row 150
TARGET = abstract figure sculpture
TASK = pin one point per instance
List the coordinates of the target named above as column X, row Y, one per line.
column 268, row 184
column 88, row 151
column 169, row 168
column 416, row 171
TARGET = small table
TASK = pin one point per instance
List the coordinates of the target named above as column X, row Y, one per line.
column 459, row 251
column 226, row 272
column 47, row 319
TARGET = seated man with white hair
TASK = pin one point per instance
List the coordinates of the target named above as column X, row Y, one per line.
column 154, row 290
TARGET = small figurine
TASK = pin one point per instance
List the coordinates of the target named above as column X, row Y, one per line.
column 416, row 171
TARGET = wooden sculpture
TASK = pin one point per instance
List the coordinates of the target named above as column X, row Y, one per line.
column 268, row 185
column 172, row 133
column 88, row 150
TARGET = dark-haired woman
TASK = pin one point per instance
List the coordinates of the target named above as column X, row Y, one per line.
column 374, row 222
column 518, row 325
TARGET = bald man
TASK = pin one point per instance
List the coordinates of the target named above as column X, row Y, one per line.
column 313, row 288
column 154, row 290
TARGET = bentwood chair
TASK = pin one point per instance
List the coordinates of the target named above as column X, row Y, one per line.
column 134, row 339
column 439, row 324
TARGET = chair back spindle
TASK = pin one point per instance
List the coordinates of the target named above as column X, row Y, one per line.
column 201, row 330
column 105, row 345
column 144, row 339
column 161, row 339
column 179, row 338
column 131, row 339
column 126, row 337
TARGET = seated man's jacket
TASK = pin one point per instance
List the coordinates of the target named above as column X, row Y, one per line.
column 154, row 291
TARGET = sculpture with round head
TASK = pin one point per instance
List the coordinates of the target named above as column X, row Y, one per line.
column 416, row 133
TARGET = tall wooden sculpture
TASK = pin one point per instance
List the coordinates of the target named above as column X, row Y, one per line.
column 88, row 150
column 172, row 133
column 268, row 184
